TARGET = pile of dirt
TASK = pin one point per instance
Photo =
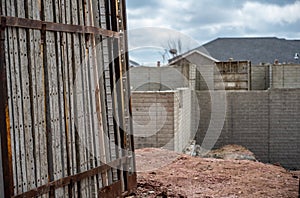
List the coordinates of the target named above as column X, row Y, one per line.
column 163, row 173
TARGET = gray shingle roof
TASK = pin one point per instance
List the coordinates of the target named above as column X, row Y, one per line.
column 257, row 50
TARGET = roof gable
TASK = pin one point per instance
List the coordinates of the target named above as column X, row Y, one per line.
column 189, row 53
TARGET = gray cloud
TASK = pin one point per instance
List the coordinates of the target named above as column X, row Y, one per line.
column 206, row 20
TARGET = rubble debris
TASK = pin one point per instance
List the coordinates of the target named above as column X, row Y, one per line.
column 234, row 152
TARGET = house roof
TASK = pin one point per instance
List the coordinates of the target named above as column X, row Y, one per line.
column 257, row 50
column 133, row 63
column 185, row 55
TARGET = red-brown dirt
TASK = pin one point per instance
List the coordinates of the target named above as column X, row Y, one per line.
column 163, row 173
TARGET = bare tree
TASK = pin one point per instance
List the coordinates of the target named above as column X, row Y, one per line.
column 172, row 48
column 175, row 46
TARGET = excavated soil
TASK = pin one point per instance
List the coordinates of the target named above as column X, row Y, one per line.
column 163, row 173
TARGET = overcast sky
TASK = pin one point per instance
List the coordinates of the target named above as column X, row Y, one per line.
column 199, row 21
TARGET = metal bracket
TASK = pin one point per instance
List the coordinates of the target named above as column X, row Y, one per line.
column 43, row 33
column 3, row 23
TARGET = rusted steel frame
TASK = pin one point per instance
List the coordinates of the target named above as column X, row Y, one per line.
column 131, row 183
column 115, row 189
column 115, row 17
column 109, row 16
column 57, row 27
column 131, row 136
column 74, row 178
column 111, row 191
column 4, row 119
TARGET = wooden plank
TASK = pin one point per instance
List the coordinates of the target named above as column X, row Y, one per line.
column 67, row 144
column 33, row 104
column 86, row 112
column 10, row 64
column 76, row 79
column 87, row 96
column 102, row 141
column 38, row 92
column 68, row 98
column 81, row 124
column 67, row 110
column 3, row 7
column 103, row 148
column 82, row 107
column 26, row 97
column 6, row 149
column 16, row 153
column 18, row 113
column 90, row 73
column 60, row 118
column 8, row 52
column 54, row 63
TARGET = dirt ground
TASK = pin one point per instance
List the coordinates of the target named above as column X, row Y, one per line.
column 163, row 173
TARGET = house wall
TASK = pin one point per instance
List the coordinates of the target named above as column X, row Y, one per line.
column 162, row 119
column 266, row 122
column 285, row 76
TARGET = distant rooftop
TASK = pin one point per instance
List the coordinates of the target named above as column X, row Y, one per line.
column 257, row 50
column 133, row 63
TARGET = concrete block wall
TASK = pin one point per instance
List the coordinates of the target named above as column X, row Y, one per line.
column 157, row 78
column 266, row 122
column 285, row 76
column 260, row 77
column 249, row 121
column 162, row 119
column 195, row 114
column 182, row 119
column 285, row 127
column 153, row 119
column 205, row 77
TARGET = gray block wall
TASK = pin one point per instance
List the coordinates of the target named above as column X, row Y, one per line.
column 285, row 127
column 285, row 76
column 162, row 119
column 157, row 78
column 182, row 119
column 266, row 122
column 260, row 77
column 153, row 119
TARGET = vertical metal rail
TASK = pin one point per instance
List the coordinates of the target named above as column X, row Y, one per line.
column 4, row 119
column 131, row 169
column 118, row 61
column 48, row 110
column 129, row 139
column 111, row 102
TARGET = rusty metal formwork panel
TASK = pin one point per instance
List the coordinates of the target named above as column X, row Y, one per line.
column 64, row 99
column 232, row 75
